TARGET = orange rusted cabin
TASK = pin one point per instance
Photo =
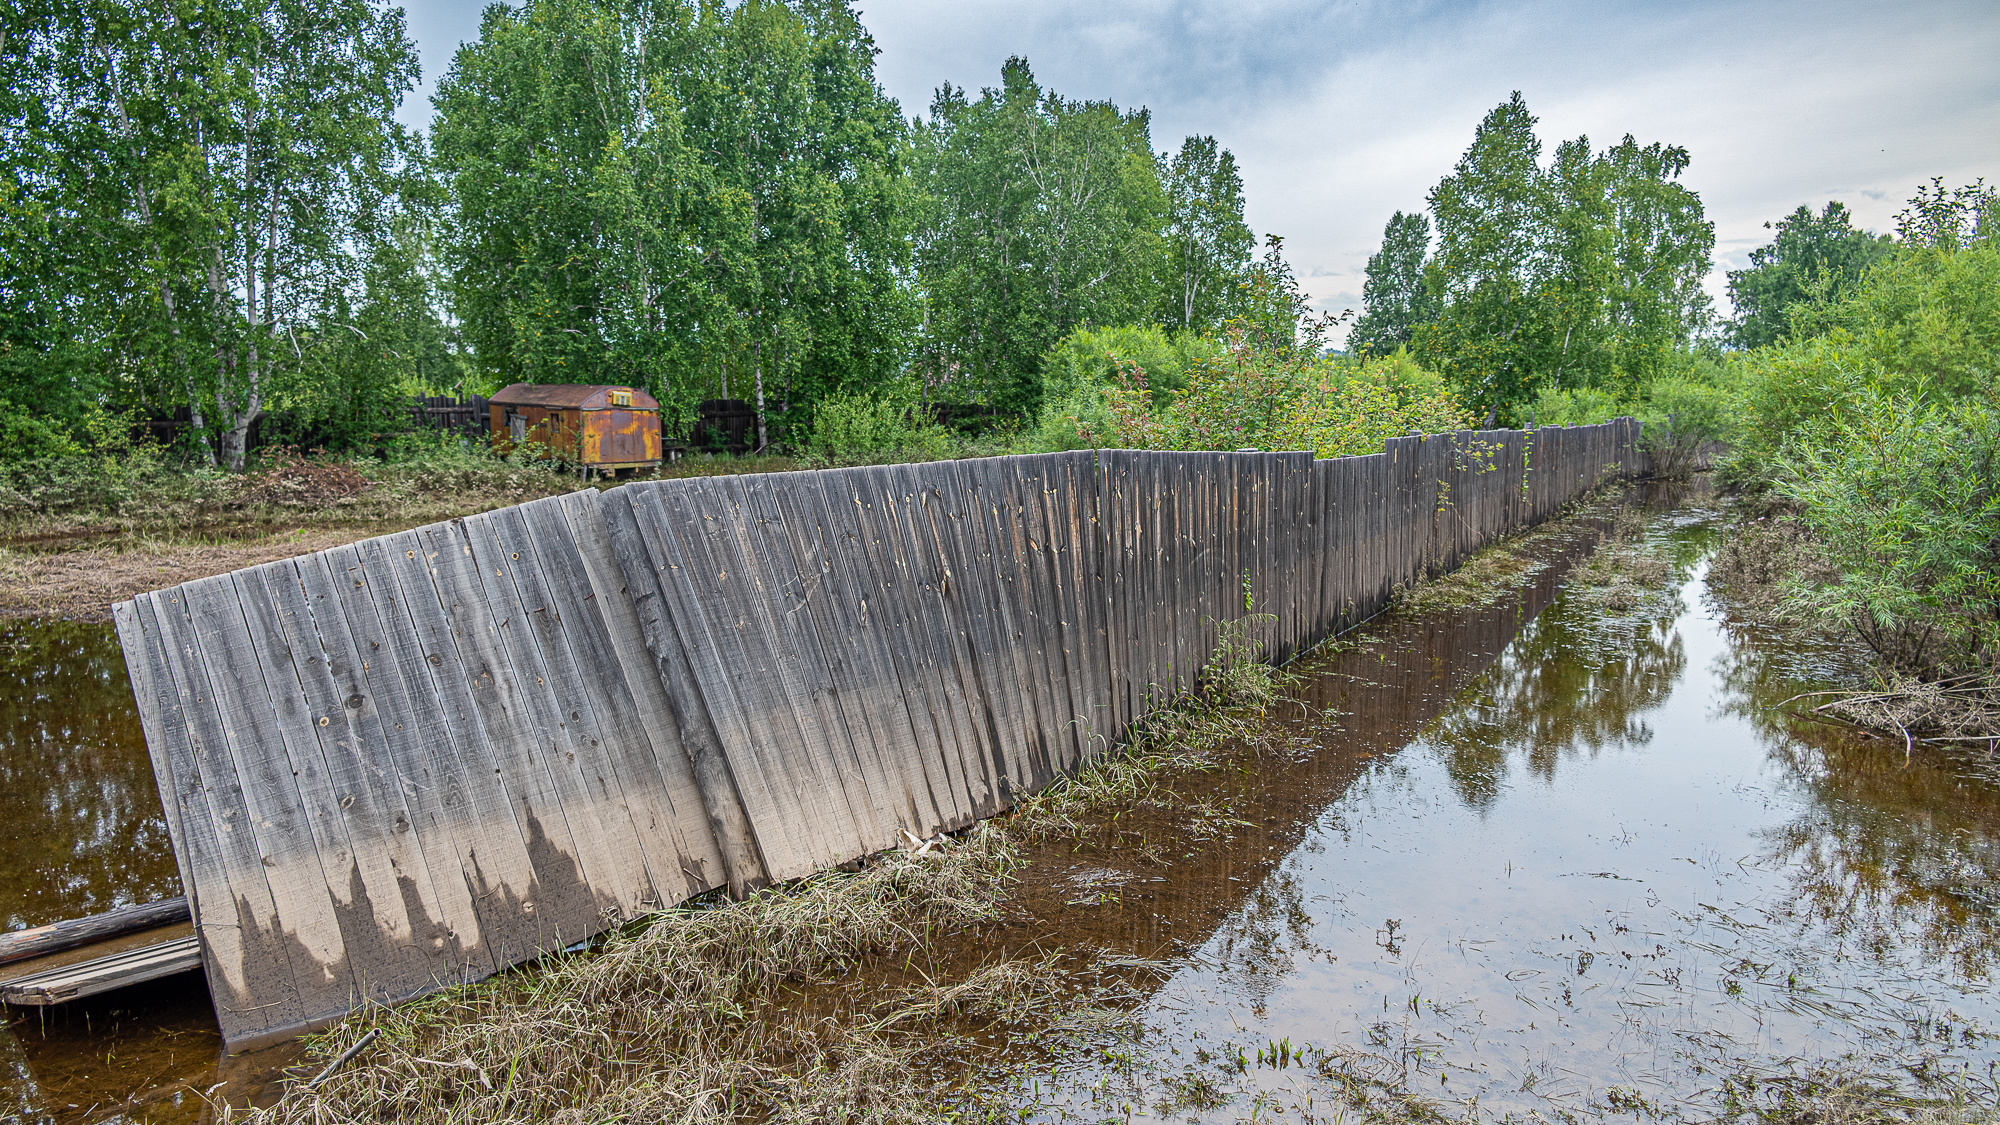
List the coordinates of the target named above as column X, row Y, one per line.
column 596, row 428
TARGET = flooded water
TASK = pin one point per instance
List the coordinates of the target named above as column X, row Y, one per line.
column 80, row 823
column 1545, row 856
column 1551, row 859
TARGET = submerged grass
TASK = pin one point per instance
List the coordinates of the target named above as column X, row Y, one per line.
column 1770, row 553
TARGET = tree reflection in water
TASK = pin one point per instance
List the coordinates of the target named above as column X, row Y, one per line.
column 1885, row 853
column 1576, row 681
column 79, row 815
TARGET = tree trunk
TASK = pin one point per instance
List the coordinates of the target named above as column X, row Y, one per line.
column 762, row 438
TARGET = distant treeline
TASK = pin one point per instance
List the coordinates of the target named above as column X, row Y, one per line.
column 210, row 207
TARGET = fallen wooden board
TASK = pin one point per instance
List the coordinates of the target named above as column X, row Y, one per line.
column 55, row 937
column 88, row 978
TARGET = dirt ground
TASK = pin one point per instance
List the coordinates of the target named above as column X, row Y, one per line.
column 82, row 584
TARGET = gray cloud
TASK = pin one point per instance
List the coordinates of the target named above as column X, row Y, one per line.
column 1342, row 113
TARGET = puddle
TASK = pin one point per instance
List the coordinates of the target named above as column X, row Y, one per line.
column 80, row 823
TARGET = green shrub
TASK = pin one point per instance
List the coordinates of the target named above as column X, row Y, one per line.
column 25, row 437
column 1902, row 494
column 1583, row 406
column 1277, row 399
column 1677, row 418
column 863, row 427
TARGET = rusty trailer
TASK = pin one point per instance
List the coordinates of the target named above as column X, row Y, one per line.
column 599, row 429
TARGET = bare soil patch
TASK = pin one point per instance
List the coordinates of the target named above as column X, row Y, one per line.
column 83, row 584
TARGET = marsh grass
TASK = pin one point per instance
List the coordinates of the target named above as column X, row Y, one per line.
column 1768, row 555
column 1509, row 564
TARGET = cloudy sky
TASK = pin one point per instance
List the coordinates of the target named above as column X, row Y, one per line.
column 1341, row 113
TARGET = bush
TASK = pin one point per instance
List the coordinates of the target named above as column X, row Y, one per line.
column 1259, row 398
column 1679, row 417
column 1902, row 495
column 862, row 427
column 25, row 437
column 1077, row 372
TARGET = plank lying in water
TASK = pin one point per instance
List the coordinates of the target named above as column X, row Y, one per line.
column 70, row 933
column 88, row 978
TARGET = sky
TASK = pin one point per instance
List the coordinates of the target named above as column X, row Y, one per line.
column 1342, row 113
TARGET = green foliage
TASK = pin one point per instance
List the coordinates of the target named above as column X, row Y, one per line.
column 1276, row 398
column 1208, row 246
column 1812, row 257
column 1393, row 296
column 25, row 437
column 671, row 194
column 863, row 427
column 1906, row 502
column 1923, row 325
column 1583, row 272
column 1043, row 214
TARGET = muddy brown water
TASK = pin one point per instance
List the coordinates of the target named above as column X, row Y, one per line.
column 1542, row 854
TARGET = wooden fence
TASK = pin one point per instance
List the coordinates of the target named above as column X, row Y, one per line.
column 419, row 759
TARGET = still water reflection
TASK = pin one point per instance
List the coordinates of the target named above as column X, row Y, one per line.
column 1603, row 873
column 80, row 824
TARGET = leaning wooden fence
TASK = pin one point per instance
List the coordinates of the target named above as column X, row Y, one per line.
column 416, row 760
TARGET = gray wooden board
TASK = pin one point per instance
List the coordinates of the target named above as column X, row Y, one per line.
column 276, row 773
column 393, row 882
column 982, row 649
column 249, row 975
column 698, row 855
column 631, row 747
column 567, row 859
column 895, row 587
column 404, row 753
column 604, row 766
column 90, row 978
column 911, row 492
column 630, row 516
column 1041, row 590
column 1072, row 512
column 462, row 796
column 1015, row 596
column 704, row 569
column 884, row 720
column 606, row 842
column 822, row 646
column 783, row 561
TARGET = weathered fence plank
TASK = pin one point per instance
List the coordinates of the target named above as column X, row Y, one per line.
column 421, row 758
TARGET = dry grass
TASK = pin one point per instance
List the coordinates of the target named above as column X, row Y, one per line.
column 691, row 1019
column 83, row 584
column 1768, row 551
column 1758, row 558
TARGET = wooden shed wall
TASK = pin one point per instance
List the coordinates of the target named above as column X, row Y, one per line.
column 419, row 759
